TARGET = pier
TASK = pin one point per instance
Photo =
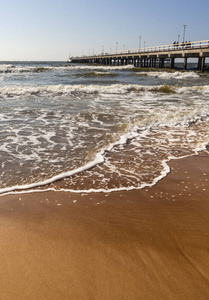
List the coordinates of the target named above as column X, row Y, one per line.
column 152, row 57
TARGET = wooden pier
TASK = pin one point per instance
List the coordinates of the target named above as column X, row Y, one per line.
column 152, row 57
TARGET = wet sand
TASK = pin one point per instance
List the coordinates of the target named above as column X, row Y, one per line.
column 144, row 244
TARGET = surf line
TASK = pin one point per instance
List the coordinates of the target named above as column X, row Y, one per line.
column 98, row 159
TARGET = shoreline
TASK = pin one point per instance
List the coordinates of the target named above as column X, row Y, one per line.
column 28, row 189
column 141, row 244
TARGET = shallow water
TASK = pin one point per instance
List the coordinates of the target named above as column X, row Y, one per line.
column 98, row 127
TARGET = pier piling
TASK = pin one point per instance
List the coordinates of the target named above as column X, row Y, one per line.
column 152, row 56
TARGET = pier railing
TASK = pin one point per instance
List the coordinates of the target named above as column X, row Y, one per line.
column 171, row 47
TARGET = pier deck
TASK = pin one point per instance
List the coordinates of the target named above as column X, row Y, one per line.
column 152, row 56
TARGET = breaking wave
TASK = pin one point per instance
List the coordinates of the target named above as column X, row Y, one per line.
column 9, row 68
column 170, row 75
column 100, row 89
column 76, row 122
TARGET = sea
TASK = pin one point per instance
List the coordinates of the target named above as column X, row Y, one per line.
column 92, row 128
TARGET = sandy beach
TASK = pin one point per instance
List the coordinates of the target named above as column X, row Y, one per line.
column 143, row 244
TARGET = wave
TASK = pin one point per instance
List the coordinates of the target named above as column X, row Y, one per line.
column 94, row 74
column 170, row 75
column 30, row 187
column 98, row 159
column 23, row 69
column 93, row 89
column 93, row 69
column 97, row 71
column 9, row 68
column 100, row 67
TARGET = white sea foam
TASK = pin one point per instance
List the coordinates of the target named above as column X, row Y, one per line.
column 9, row 68
column 165, row 171
column 92, row 89
column 106, row 68
column 51, row 129
column 98, row 159
column 30, row 187
column 175, row 75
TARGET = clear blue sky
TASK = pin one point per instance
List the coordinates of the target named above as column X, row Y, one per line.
column 51, row 29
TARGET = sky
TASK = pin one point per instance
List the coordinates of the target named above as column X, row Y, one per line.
column 49, row 30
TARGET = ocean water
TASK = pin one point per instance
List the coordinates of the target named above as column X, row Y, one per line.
column 96, row 128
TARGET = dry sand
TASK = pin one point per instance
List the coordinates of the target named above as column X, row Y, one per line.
column 144, row 244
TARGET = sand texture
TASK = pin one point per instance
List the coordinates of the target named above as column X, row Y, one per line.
column 143, row 244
